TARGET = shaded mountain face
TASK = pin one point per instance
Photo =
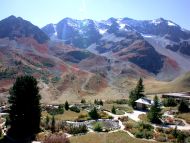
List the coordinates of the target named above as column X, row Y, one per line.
column 144, row 43
column 13, row 28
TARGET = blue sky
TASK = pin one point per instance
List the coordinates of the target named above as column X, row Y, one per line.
column 42, row 12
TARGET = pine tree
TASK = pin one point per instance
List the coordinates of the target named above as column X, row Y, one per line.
column 53, row 125
column 66, row 105
column 140, row 89
column 136, row 93
column 83, row 101
column 94, row 113
column 47, row 122
column 101, row 103
column 113, row 110
column 25, row 110
column 154, row 114
column 183, row 107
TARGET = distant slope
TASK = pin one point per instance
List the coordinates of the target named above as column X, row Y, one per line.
column 16, row 27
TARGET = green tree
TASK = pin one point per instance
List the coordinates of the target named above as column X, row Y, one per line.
column 83, row 101
column 47, row 122
column 169, row 102
column 154, row 114
column 66, row 105
column 60, row 109
column 94, row 113
column 101, row 103
column 98, row 127
column 113, row 110
column 53, row 124
column 136, row 93
column 25, row 109
column 183, row 107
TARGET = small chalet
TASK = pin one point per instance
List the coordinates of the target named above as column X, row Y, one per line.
column 143, row 103
column 178, row 96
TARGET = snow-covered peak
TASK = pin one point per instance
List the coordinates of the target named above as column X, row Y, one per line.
column 157, row 21
column 102, row 31
column 171, row 23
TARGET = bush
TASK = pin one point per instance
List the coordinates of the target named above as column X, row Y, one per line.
column 147, row 134
column 128, row 126
column 77, row 129
column 169, row 102
column 98, row 127
column 94, row 114
column 75, row 109
column 161, row 138
column 121, row 101
column 82, row 117
column 66, row 105
column 57, row 139
column 55, row 111
column 1, row 133
column 142, row 126
column 113, row 110
column 183, row 107
column 83, row 101
column 98, row 102
column 139, row 134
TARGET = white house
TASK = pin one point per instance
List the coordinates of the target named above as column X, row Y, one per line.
column 143, row 103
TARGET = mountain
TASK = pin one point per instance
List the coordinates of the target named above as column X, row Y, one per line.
column 26, row 50
column 156, row 46
column 13, row 27
column 77, row 58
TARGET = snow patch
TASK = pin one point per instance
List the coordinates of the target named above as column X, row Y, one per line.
column 122, row 26
column 156, row 21
column 146, row 35
column 54, row 27
column 92, row 48
column 102, row 31
column 171, row 23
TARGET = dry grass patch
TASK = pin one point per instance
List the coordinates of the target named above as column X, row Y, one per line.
column 70, row 115
column 185, row 116
column 116, row 137
column 143, row 117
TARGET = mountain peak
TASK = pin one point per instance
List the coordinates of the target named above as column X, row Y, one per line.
column 16, row 27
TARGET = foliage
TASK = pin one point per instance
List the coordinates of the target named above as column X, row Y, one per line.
column 66, row 105
column 143, row 130
column 82, row 117
column 0, row 132
column 25, row 110
column 169, row 102
column 121, row 101
column 154, row 114
column 75, row 109
column 47, row 120
column 77, row 129
column 7, row 73
column 83, row 101
column 136, row 93
column 56, row 139
column 53, row 124
column 55, row 79
column 98, row 102
column 113, row 110
column 55, row 111
column 94, row 114
column 97, row 127
column 183, row 107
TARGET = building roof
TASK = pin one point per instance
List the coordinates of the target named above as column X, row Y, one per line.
column 180, row 95
column 144, row 101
